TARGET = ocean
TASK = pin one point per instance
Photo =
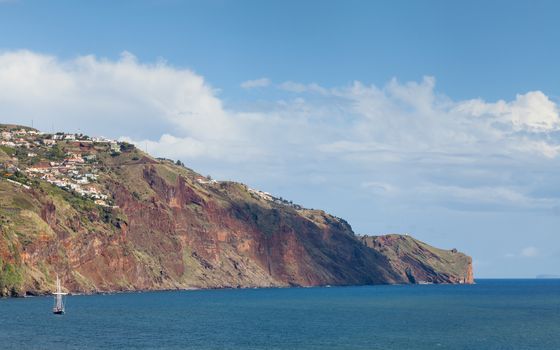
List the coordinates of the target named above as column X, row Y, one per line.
column 493, row 314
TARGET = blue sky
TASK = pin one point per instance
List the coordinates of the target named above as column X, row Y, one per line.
column 437, row 118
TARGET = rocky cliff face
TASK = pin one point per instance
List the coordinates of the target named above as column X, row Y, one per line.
column 163, row 226
column 419, row 262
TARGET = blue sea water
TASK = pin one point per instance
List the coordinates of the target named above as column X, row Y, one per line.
column 493, row 314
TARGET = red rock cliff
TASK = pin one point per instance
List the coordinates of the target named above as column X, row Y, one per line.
column 171, row 228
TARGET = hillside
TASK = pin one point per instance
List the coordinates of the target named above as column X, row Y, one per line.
column 419, row 262
column 105, row 216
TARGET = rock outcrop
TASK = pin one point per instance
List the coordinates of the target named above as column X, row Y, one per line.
column 419, row 262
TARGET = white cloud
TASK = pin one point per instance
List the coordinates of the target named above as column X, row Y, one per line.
column 533, row 111
column 380, row 188
column 123, row 96
column 529, row 252
column 257, row 83
column 412, row 117
column 300, row 88
column 484, row 196
column 402, row 141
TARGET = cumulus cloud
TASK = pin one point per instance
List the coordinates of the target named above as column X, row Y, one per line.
column 412, row 117
column 533, row 112
column 404, row 142
column 257, row 83
column 111, row 97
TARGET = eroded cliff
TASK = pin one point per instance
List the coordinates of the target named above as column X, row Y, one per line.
column 159, row 225
column 419, row 262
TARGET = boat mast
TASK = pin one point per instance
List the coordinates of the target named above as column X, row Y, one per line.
column 58, row 294
column 58, row 305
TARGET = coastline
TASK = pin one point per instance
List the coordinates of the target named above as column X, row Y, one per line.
column 137, row 291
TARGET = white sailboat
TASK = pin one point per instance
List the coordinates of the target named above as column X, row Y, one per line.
column 58, row 307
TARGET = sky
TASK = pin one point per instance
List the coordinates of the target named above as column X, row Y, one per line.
column 436, row 118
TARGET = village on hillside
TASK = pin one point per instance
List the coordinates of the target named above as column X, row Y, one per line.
column 66, row 160
column 71, row 162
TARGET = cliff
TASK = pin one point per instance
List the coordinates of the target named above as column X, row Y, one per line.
column 419, row 262
column 107, row 217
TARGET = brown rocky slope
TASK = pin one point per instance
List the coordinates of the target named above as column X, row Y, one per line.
column 419, row 262
column 167, row 227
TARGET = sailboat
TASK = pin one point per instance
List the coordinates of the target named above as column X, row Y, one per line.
column 58, row 308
